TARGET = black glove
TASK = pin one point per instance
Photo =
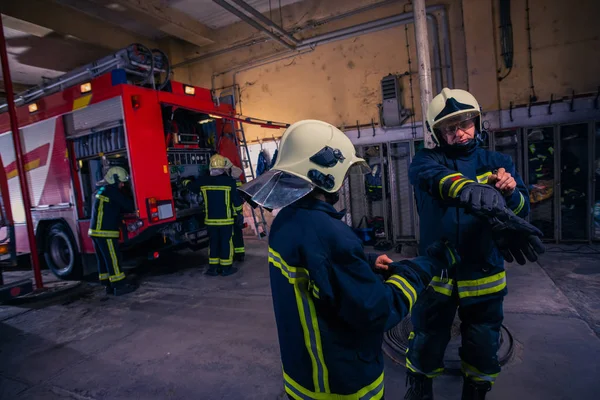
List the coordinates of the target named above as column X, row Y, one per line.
column 516, row 238
column 479, row 198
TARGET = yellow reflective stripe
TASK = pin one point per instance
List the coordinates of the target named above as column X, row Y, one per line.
column 312, row 338
column 373, row 391
column 100, row 212
column 312, row 288
column 228, row 261
column 203, row 190
column 103, row 277
column 293, row 274
column 299, row 277
column 521, row 204
column 476, row 375
column 443, row 180
column 483, row 286
column 239, row 208
column 457, row 185
column 431, row 374
column 239, row 250
column 103, row 198
column 213, row 261
column 103, row 234
column 209, row 187
column 218, row 222
column 441, row 286
column 407, row 289
column 483, row 178
column 115, row 263
column 228, row 204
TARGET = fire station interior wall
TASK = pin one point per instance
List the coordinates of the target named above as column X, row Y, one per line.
column 340, row 82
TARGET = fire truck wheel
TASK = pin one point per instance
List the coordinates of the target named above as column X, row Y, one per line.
column 61, row 253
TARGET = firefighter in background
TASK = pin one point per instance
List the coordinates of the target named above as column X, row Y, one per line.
column 109, row 205
column 456, row 184
column 239, row 251
column 331, row 308
column 222, row 205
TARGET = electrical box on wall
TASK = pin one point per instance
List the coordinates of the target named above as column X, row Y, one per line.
column 391, row 110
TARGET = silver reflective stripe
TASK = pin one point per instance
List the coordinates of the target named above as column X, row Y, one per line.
column 287, row 272
column 484, row 286
column 296, row 392
column 313, row 340
column 370, row 395
column 408, row 291
column 444, row 288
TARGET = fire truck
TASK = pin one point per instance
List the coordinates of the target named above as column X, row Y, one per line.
column 122, row 110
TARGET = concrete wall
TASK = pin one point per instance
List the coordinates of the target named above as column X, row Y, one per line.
column 340, row 82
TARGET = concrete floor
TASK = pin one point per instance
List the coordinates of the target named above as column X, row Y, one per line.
column 184, row 335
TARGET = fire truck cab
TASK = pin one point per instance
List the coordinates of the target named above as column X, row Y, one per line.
column 116, row 111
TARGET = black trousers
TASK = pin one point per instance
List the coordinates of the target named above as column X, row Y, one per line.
column 108, row 258
column 220, row 251
column 238, row 240
column 432, row 317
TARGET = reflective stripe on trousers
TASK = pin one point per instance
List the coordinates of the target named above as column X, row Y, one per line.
column 444, row 287
column 483, row 286
column 374, row 391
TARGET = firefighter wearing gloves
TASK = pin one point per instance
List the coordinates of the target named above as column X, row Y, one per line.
column 332, row 301
column 221, row 204
column 239, row 251
column 109, row 204
column 473, row 197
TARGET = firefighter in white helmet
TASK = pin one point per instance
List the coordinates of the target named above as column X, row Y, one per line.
column 221, row 204
column 331, row 307
column 107, row 210
column 470, row 196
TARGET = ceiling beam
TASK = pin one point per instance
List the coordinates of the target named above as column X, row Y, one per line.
column 169, row 20
column 67, row 21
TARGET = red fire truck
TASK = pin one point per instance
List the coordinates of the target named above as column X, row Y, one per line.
column 120, row 110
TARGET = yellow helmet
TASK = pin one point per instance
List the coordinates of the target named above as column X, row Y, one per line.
column 115, row 174
column 449, row 107
column 312, row 154
column 217, row 161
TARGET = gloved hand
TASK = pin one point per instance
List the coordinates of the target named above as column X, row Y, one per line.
column 444, row 252
column 239, row 221
column 480, row 198
column 516, row 238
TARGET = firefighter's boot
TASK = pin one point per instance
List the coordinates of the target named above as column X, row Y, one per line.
column 123, row 287
column 213, row 271
column 475, row 390
column 420, row 387
column 229, row 271
column 239, row 257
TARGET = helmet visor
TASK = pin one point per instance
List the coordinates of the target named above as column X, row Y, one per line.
column 451, row 124
column 275, row 189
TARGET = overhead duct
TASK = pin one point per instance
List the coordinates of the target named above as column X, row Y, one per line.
column 266, row 21
column 253, row 23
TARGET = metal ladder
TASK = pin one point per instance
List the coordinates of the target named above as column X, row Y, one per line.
column 245, row 160
column 136, row 60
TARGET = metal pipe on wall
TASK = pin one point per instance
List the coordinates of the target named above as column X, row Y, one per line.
column 346, row 33
column 19, row 160
column 252, row 22
column 424, row 63
column 266, row 20
column 437, row 55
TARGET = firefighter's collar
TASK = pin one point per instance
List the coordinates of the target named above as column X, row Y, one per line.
column 319, row 205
